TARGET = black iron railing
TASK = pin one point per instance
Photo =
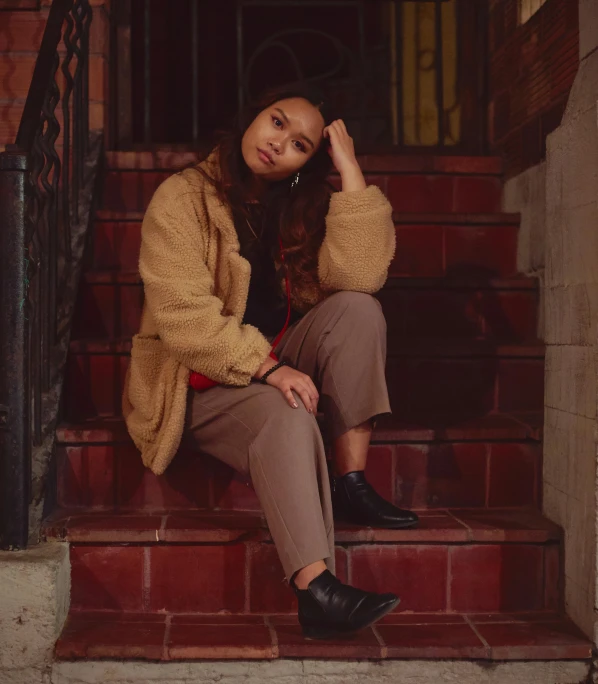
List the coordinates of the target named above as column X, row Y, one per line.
column 401, row 72
column 44, row 179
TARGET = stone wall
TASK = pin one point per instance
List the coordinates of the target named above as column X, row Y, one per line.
column 526, row 194
column 571, row 327
column 34, row 602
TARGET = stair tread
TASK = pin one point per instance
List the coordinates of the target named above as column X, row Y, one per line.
column 165, row 159
column 389, row 428
column 456, row 218
column 456, row 526
column 167, row 636
column 519, row 282
column 419, row 347
column 399, row 218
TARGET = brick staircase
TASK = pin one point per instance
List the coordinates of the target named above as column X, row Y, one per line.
column 182, row 567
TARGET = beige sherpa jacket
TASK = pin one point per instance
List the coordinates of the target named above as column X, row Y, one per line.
column 196, row 285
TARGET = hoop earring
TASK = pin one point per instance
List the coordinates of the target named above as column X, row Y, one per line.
column 295, row 181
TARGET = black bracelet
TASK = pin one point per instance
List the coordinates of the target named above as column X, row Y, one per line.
column 271, row 370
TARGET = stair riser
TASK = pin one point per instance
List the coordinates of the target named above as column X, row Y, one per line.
column 419, row 193
column 248, row 578
column 165, row 159
column 417, row 387
column 114, row 311
column 423, row 251
column 454, row 474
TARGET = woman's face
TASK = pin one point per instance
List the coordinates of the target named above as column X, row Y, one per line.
column 282, row 138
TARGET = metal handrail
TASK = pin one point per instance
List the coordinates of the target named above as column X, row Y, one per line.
column 40, row 197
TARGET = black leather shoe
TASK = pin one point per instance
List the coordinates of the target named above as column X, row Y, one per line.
column 328, row 608
column 354, row 500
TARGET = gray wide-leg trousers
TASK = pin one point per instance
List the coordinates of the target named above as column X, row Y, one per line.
column 341, row 345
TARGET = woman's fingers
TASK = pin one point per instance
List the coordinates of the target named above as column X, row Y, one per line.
column 307, row 397
column 291, row 399
column 314, row 394
column 312, row 391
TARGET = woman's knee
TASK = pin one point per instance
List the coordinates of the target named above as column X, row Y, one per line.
column 360, row 306
column 279, row 416
column 288, row 429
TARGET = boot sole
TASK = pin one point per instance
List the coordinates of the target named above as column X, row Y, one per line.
column 317, row 632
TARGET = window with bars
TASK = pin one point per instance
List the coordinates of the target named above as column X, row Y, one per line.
column 527, row 9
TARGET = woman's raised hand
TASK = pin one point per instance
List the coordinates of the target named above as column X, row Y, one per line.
column 286, row 379
column 342, row 148
column 342, row 151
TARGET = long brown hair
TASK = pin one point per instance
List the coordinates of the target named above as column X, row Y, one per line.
column 296, row 213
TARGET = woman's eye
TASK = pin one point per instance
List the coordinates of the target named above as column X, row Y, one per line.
column 277, row 121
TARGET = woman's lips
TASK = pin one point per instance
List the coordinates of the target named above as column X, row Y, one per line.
column 264, row 157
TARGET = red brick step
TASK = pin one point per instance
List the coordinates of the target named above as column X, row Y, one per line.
column 471, row 378
column 456, row 561
column 167, row 637
column 168, row 158
column 409, row 188
column 491, row 461
column 109, row 305
column 429, row 245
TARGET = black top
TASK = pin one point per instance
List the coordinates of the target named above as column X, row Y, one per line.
column 266, row 302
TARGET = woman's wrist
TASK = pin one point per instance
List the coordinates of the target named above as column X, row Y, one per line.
column 352, row 178
column 268, row 363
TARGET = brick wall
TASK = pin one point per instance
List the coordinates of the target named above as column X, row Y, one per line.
column 532, row 68
column 21, row 31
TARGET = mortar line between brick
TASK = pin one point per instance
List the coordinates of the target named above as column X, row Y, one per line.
column 449, row 578
column 160, row 532
column 146, row 578
column 349, row 552
column 247, row 601
column 273, row 636
column 479, row 636
column 168, row 624
column 487, row 482
column 393, row 472
column 383, row 647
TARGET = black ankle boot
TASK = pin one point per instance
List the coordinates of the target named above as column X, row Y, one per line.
column 329, row 608
column 356, row 501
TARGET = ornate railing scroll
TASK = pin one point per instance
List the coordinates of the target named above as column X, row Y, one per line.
column 44, row 178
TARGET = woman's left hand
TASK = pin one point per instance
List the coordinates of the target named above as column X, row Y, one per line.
column 342, row 152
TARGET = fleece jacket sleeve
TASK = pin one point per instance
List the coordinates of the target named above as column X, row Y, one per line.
column 359, row 243
column 179, row 292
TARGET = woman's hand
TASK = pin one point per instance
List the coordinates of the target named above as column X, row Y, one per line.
column 286, row 379
column 342, row 151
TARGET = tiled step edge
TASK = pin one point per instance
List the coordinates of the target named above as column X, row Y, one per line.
column 400, row 218
column 442, row 526
column 166, row 637
column 108, row 277
column 169, row 159
column 427, row 347
column 389, row 429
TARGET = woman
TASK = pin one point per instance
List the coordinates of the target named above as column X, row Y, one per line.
column 232, row 249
